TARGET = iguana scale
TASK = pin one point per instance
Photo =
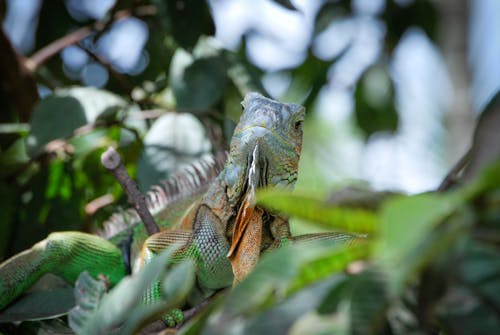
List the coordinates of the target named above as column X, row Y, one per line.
column 210, row 212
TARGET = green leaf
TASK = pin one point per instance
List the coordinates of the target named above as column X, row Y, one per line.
column 480, row 270
column 14, row 128
column 88, row 294
column 178, row 282
column 320, row 212
column 176, row 285
column 14, row 158
column 197, row 81
column 188, row 20
column 174, row 140
column 116, row 307
column 406, row 222
column 280, row 318
column 60, row 114
column 369, row 302
column 38, row 305
column 331, row 262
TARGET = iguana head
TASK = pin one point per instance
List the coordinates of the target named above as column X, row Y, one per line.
column 269, row 138
column 264, row 152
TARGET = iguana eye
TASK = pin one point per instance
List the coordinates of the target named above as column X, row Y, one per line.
column 298, row 125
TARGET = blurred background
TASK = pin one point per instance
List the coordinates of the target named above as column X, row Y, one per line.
column 392, row 89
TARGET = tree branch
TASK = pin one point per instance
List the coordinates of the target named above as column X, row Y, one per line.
column 53, row 48
column 111, row 160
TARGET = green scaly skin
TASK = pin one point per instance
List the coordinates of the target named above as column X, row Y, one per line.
column 205, row 231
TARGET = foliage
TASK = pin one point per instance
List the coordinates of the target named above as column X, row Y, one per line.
column 428, row 265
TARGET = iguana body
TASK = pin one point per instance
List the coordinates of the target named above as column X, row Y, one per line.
column 210, row 220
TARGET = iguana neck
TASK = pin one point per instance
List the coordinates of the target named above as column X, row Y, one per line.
column 217, row 200
column 220, row 203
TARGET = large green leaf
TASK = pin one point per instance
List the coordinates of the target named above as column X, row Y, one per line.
column 60, row 114
column 186, row 20
column 318, row 211
column 369, row 302
column 277, row 276
column 198, row 80
column 280, row 318
column 116, row 307
column 88, row 294
column 330, row 262
column 38, row 305
column 174, row 141
column 406, row 223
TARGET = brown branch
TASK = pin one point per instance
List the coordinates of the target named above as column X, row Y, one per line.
column 47, row 52
column 53, row 48
column 111, row 160
column 120, row 78
column 451, row 178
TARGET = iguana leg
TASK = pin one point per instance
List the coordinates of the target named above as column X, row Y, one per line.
column 206, row 245
column 65, row 254
column 157, row 243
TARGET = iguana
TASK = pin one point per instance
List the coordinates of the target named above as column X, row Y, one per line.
column 211, row 213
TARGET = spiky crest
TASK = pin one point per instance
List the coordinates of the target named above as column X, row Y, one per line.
column 191, row 180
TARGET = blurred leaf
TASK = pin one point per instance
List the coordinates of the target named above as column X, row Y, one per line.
column 245, row 77
column 308, row 79
column 13, row 158
column 280, row 318
column 369, row 302
column 332, row 262
column 60, row 114
column 178, row 282
column 39, row 305
column 88, row 293
column 462, row 313
column 405, row 223
column 335, row 296
column 320, row 212
column 176, row 285
column 188, row 20
column 197, row 323
column 279, row 274
column 197, row 82
column 116, row 307
column 398, row 17
column 480, row 270
column 174, row 140
column 14, row 128
column 375, row 109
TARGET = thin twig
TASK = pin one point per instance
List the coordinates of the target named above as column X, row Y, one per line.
column 53, row 48
column 452, row 176
column 120, row 78
column 111, row 160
